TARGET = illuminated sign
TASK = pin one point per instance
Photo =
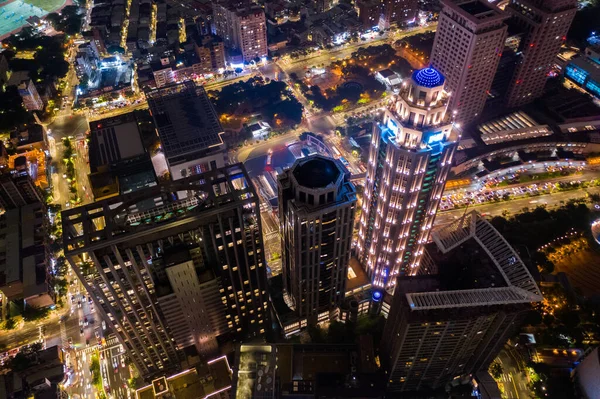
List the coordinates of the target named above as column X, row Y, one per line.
column 435, row 137
column 393, row 126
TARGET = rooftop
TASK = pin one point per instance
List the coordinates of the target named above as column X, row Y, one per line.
column 114, row 139
column 185, row 118
column 476, row 8
column 515, row 120
column 203, row 381
column 480, row 285
column 317, row 172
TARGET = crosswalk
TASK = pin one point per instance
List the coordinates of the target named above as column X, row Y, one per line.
column 112, row 342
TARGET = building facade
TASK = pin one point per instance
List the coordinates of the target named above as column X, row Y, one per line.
column 242, row 28
column 317, row 204
column 545, row 24
column 369, row 12
column 398, row 12
column 410, row 157
column 211, row 53
column 167, row 270
column 443, row 326
column 467, row 48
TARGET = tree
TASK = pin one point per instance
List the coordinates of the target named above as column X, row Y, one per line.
column 496, row 370
column 12, row 112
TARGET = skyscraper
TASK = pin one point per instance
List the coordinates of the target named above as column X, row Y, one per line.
column 410, row 157
column 188, row 128
column 317, row 204
column 544, row 24
column 467, row 48
column 454, row 321
column 169, row 271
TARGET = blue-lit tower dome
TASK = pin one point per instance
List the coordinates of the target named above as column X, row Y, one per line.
column 428, row 77
column 426, row 87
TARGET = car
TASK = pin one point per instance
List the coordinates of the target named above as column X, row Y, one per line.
column 103, row 325
column 85, row 321
column 123, row 361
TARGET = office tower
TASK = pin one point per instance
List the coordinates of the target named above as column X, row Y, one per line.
column 410, row 157
column 188, row 128
column 316, row 213
column 467, row 48
column 454, row 321
column 18, row 189
column 398, row 12
column 243, row 27
column 166, row 270
column 544, row 24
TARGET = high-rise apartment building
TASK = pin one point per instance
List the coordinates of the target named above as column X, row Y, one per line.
column 410, row 157
column 18, row 189
column 317, row 203
column 369, row 12
column 211, row 53
column 454, row 321
column 544, row 24
column 242, row 27
column 167, row 271
column 398, row 12
column 467, row 48
column 188, row 128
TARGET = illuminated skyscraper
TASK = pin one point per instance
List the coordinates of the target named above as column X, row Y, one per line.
column 467, row 48
column 410, row 157
column 544, row 24
column 167, row 271
column 317, row 203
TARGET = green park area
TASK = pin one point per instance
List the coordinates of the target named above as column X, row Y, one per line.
column 48, row 5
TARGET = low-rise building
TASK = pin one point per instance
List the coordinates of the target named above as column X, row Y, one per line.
column 515, row 126
column 31, row 99
column 119, row 162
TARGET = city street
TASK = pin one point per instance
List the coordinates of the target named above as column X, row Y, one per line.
column 516, row 205
column 513, row 379
column 325, row 57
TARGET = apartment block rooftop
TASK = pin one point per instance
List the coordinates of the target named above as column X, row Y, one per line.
column 203, row 381
column 486, row 271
